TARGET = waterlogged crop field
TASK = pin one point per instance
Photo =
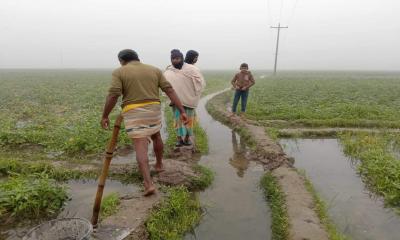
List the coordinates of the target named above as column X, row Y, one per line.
column 342, row 99
column 348, row 100
column 377, row 159
column 57, row 112
column 52, row 115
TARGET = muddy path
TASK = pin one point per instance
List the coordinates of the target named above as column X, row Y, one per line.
column 234, row 203
column 303, row 220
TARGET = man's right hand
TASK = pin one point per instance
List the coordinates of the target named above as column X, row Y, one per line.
column 105, row 123
column 184, row 118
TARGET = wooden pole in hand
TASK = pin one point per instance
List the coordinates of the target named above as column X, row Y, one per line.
column 104, row 172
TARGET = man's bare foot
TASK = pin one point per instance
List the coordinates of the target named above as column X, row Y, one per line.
column 159, row 168
column 150, row 191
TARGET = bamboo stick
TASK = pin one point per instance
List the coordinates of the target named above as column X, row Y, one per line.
column 106, row 164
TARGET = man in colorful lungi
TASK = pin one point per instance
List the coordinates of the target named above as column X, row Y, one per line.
column 188, row 83
column 139, row 85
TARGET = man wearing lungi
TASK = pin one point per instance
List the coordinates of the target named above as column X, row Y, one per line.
column 188, row 83
column 139, row 85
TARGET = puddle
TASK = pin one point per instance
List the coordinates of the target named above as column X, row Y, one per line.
column 235, row 207
column 350, row 205
column 82, row 195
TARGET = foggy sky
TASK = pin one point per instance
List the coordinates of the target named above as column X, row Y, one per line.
column 322, row 34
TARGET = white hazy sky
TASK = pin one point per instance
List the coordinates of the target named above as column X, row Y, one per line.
column 322, row 34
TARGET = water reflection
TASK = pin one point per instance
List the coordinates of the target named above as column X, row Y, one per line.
column 239, row 160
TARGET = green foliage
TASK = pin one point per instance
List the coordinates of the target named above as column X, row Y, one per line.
column 58, row 110
column 11, row 166
column 273, row 133
column 217, row 80
column 30, row 196
column 109, row 205
column 328, row 99
column 378, row 164
column 204, row 180
column 178, row 213
column 133, row 175
column 277, row 203
column 322, row 212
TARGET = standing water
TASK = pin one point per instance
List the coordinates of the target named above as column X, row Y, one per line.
column 82, row 194
column 235, row 207
column 350, row 205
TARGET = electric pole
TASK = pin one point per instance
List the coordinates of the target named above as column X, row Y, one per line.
column 277, row 45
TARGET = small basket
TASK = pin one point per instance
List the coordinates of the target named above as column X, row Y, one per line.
column 61, row 229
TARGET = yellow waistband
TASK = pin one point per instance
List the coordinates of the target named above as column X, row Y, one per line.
column 137, row 105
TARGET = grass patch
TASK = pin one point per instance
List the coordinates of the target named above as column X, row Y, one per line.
column 204, row 180
column 133, row 175
column 178, row 213
column 328, row 99
column 378, row 163
column 30, row 196
column 12, row 166
column 273, row 133
column 277, row 203
column 322, row 212
column 59, row 110
column 217, row 80
column 109, row 205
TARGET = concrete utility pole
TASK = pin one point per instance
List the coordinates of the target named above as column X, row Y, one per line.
column 277, row 45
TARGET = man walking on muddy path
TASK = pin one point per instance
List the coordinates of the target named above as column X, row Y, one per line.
column 241, row 82
column 139, row 85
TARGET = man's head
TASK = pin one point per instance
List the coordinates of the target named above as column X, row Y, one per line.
column 127, row 55
column 176, row 58
column 191, row 57
column 244, row 67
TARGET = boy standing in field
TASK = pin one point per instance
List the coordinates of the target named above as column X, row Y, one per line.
column 241, row 82
column 139, row 86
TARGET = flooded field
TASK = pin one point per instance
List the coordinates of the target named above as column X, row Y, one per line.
column 351, row 206
column 235, row 207
column 82, row 196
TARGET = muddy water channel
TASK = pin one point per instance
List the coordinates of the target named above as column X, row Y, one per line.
column 355, row 212
column 82, row 195
column 235, row 207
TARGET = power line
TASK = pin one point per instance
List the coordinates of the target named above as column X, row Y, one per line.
column 293, row 11
column 269, row 12
column 280, row 14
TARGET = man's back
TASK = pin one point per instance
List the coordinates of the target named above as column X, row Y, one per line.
column 137, row 83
